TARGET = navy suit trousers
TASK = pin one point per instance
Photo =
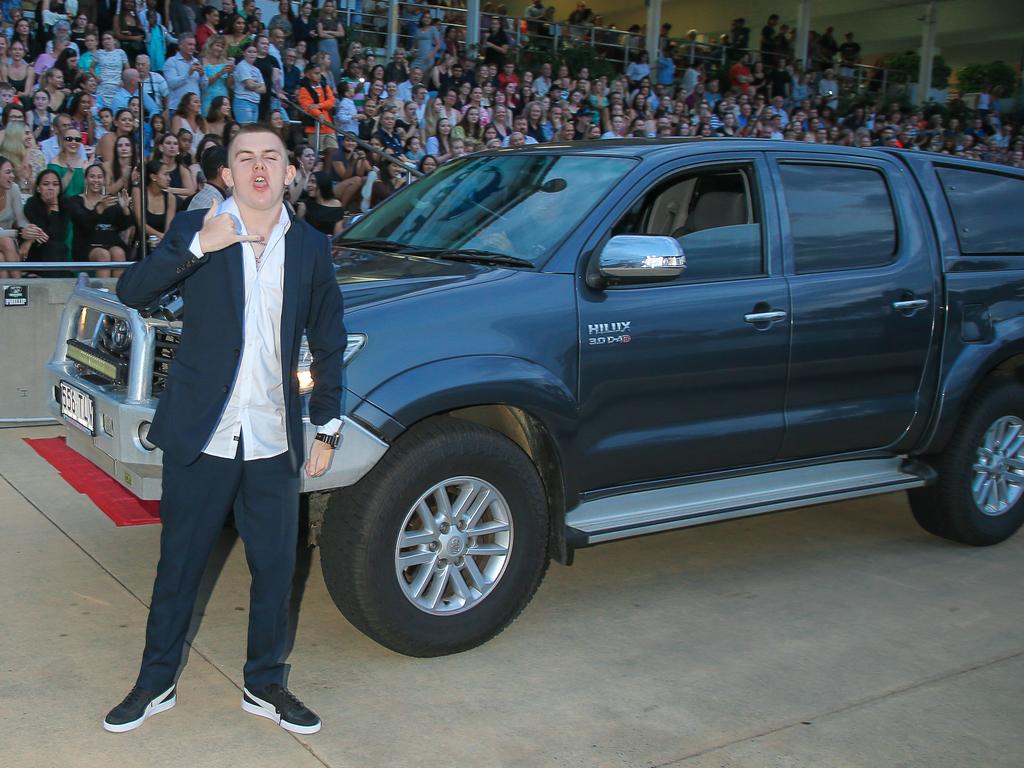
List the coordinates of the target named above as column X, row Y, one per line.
column 196, row 498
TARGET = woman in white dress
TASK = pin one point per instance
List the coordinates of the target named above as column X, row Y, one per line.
column 112, row 61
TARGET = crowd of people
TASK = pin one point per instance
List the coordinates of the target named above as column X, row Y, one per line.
column 109, row 129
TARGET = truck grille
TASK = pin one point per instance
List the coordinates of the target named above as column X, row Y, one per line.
column 110, row 352
column 166, row 345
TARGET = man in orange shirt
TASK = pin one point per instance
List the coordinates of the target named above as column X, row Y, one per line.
column 317, row 100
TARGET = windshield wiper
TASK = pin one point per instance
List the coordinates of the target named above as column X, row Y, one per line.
column 375, row 243
column 476, row 255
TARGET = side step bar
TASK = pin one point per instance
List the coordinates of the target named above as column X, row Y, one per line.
column 681, row 506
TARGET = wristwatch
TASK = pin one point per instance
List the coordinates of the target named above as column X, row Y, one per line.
column 331, row 440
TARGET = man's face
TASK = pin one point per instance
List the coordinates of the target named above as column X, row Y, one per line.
column 259, row 170
column 187, row 47
column 388, row 121
column 519, row 124
column 277, row 37
column 142, row 65
column 262, row 46
column 6, row 97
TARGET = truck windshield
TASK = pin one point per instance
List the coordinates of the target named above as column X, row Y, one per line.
column 514, row 205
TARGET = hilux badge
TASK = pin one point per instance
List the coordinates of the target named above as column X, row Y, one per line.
column 609, row 333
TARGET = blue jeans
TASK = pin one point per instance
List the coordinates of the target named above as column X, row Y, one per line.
column 246, row 111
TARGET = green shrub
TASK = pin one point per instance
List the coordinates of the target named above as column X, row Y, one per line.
column 998, row 76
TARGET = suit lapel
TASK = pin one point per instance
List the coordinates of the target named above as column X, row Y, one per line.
column 236, row 281
column 293, row 263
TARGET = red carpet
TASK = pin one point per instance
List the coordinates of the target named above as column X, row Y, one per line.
column 115, row 501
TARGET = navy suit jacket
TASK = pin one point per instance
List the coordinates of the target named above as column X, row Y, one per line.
column 207, row 359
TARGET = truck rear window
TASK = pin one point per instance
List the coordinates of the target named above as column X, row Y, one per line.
column 986, row 210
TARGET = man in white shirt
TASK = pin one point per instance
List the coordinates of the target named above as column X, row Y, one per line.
column 183, row 71
column 229, row 420
column 406, row 88
column 152, row 83
column 542, row 83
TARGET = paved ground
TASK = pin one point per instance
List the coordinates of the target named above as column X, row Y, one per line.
column 831, row 636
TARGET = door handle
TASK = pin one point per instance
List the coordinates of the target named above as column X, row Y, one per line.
column 910, row 306
column 756, row 318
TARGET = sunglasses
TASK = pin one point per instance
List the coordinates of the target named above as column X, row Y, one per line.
column 70, row 139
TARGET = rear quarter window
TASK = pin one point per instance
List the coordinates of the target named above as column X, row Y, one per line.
column 986, row 210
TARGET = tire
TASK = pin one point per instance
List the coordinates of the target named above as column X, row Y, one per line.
column 394, row 602
column 949, row 508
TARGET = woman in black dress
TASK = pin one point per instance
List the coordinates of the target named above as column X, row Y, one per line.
column 161, row 206
column 168, row 151
column 320, row 208
column 98, row 219
column 128, row 30
column 45, row 210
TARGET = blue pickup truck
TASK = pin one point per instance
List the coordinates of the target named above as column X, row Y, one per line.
column 569, row 344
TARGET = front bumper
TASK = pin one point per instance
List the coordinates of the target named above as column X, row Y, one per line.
column 122, row 414
column 117, row 447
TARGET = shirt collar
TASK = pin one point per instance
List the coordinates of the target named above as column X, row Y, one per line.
column 284, row 221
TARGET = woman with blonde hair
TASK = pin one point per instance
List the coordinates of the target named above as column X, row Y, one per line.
column 217, row 68
column 19, row 146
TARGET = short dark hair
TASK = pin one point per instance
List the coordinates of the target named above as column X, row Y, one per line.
column 248, row 128
column 213, row 160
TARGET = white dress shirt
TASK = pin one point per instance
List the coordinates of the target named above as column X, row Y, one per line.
column 256, row 404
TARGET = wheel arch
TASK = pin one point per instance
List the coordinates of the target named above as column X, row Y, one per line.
column 517, row 398
column 965, row 377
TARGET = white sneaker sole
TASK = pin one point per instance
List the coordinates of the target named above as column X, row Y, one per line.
column 266, row 709
column 152, row 709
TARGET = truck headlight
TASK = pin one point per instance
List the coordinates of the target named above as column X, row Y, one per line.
column 355, row 342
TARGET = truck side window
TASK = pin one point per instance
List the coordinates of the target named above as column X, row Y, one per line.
column 714, row 213
column 840, row 217
column 984, row 207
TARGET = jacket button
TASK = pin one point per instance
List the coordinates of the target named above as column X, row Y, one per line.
column 238, row 352
column 224, row 389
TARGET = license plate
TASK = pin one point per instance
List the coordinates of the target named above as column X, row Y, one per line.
column 77, row 407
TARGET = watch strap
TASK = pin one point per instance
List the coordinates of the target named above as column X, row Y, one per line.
column 331, row 440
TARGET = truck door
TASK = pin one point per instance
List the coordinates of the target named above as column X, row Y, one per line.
column 862, row 282
column 688, row 376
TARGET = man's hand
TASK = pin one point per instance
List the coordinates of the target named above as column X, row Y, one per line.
column 320, row 455
column 218, row 232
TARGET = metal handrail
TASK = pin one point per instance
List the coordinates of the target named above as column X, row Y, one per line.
column 366, row 146
column 59, row 266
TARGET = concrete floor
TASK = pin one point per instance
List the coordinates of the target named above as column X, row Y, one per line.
column 831, row 636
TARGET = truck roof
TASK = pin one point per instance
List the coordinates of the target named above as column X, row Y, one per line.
column 679, row 147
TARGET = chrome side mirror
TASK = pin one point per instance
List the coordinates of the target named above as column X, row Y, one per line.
column 641, row 258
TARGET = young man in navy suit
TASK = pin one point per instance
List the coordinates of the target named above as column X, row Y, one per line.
column 229, row 421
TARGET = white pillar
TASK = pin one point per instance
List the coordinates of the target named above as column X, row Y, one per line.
column 803, row 30
column 392, row 43
column 653, row 28
column 928, row 28
column 472, row 28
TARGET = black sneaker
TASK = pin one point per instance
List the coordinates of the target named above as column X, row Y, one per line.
column 137, row 706
column 277, row 703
